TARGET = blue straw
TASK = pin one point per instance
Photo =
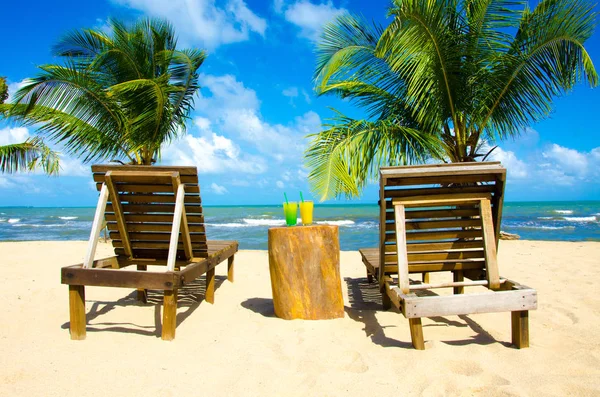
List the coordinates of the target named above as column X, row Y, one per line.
column 286, row 200
column 301, row 198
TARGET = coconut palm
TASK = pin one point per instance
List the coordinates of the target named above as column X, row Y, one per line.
column 119, row 95
column 444, row 80
column 29, row 155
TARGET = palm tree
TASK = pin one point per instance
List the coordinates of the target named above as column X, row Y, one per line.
column 441, row 81
column 119, row 96
column 28, row 155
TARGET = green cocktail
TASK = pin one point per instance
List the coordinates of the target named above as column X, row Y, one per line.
column 290, row 209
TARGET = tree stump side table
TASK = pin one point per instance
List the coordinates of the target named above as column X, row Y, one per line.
column 304, row 262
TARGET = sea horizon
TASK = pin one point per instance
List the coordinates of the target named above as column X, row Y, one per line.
column 316, row 204
column 358, row 223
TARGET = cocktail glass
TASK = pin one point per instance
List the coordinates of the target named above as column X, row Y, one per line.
column 306, row 212
column 290, row 209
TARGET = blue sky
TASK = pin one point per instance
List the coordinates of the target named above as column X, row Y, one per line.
column 247, row 133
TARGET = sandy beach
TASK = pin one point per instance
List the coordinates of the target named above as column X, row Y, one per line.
column 237, row 346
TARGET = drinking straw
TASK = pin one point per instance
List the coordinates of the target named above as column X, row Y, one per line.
column 286, row 200
column 301, row 198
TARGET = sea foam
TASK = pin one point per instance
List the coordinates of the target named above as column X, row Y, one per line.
column 68, row 218
column 565, row 212
column 337, row 223
column 14, row 220
column 580, row 218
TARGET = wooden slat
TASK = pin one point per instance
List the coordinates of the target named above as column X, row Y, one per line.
column 434, row 214
column 392, row 181
column 158, row 208
column 425, row 247
column 451, row 169
column 120, row 219
column 441, row 200
column 153, row 227
column 118, row 278
column 183, row 170
column 501, row 301
column 489, row 243
column 443, row 224
column 138, row 188
column 157, row 236
column 153, row 218
column 147, row 253
column 434, row 191
column 432, row 207
column 436, row 267
column 157, row 198
column 147, row 177
column 437, row 235
column 444, row 255
column 158, row 245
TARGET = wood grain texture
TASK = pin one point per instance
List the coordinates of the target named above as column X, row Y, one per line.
column 77, row 312
column 169, row 315
column 304, row 263
column 520, row 328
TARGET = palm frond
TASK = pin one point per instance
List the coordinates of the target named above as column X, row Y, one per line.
column 28, row 155
column 347, row 155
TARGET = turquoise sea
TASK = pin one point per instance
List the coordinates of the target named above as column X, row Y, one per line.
column 556, row 221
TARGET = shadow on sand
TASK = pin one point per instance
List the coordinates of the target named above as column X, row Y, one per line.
column 189, row 297
column 262, row 306
column 365, row 302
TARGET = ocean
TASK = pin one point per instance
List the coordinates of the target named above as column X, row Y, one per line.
column 553, row 221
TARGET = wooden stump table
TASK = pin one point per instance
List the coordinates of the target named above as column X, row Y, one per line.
column 304, row 262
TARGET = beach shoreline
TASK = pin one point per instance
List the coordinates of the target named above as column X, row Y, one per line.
column 238, row 347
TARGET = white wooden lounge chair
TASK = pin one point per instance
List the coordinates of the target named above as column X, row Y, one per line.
column 154, row 215
column 444, row 218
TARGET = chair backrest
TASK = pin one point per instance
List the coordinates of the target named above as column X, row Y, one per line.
column 146, row 203
column 440, row 236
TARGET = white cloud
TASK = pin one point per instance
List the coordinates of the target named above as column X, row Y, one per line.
column 212, row 154
column 516, row 168
column 278, row 6
column 309, row 17
column 556, row 165
column 73, row 167
column 203, row 21
column 569, row 159
column 217, row 189
column 10, row 136
column 291, row 92
column 13, row 88
column 280, row 184
column 234, row 110
column 306, row 96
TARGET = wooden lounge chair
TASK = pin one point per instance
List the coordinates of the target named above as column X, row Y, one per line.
column 444, row 218
column 154, row 216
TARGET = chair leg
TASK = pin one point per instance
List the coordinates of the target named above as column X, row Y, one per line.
column 169, row 315
column 416, row 333
column 458, row 276
column 520, row 328
column 425, row 277
column 210, row 286
column 230, row 264
column 142, row 294
column 385, row 299
column 77, row 319
column 369, row 277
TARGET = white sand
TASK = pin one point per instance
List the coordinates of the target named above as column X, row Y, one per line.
column 236, row 347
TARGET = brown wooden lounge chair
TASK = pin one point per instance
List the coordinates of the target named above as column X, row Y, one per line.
column 154, row 216
column 444, row 218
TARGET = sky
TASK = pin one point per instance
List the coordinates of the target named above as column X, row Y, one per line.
column 248, row 131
